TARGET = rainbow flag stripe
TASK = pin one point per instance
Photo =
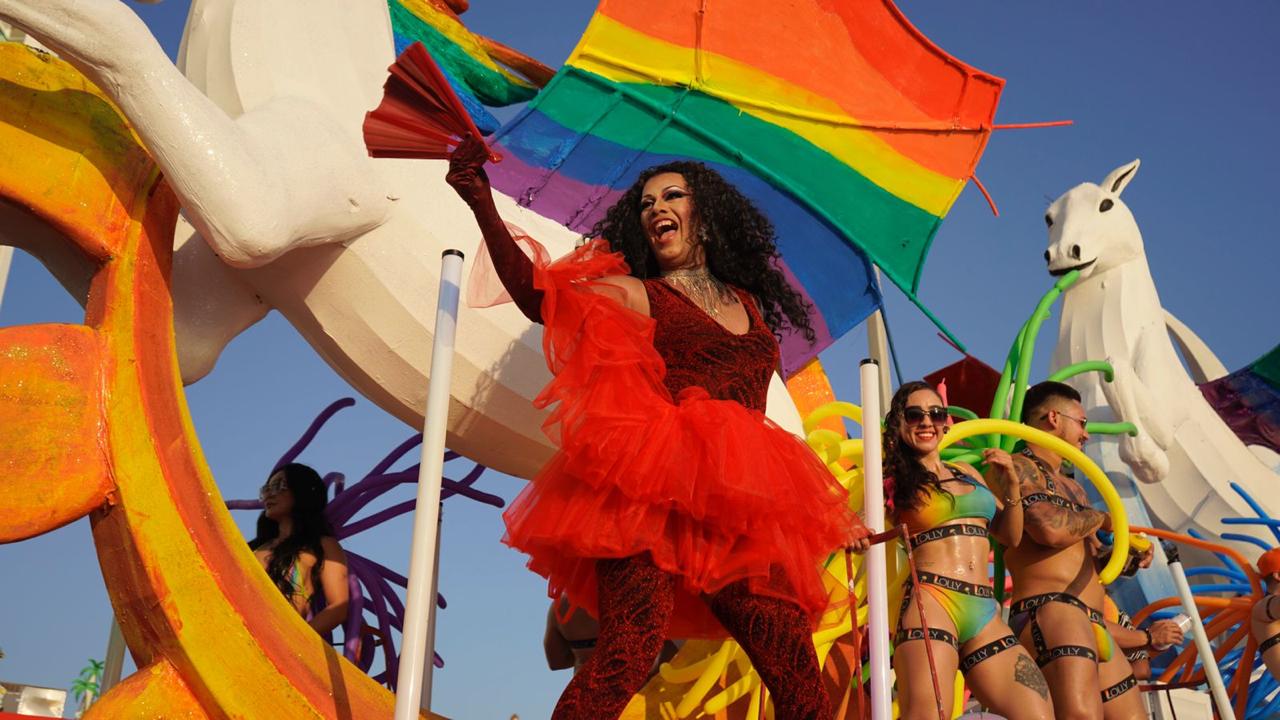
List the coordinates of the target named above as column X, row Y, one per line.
column 845, row 125
column 1248, row 401
column 474, row 75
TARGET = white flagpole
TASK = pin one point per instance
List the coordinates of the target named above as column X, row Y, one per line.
column 876, row 558
column 1212, row 675
column 114, row 662
column 6, row 261
column 413, row 688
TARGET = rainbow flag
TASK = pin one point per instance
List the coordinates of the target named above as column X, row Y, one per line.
column 471, row 71
column 1248, row 401
column 843, row 123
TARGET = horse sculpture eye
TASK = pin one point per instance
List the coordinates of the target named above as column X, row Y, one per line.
column 1106, row 205
column 1048, row 220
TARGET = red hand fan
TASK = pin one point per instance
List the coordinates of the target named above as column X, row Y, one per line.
column 420, row 116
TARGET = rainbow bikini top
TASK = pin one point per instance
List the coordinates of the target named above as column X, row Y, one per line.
column 926, row 520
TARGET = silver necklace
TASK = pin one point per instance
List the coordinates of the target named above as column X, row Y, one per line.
column 704, row 289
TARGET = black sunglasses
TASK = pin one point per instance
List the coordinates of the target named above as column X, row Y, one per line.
column 914, row 414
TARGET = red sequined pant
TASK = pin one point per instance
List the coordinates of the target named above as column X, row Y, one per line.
column 636, row 600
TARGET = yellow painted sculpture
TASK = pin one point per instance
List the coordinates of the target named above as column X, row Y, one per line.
column 93, row 422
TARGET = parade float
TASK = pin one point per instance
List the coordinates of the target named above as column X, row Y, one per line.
column 180, row 210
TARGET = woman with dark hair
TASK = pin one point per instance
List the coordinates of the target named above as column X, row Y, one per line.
column 296, row 546
column 673, row 507
column 950, row 510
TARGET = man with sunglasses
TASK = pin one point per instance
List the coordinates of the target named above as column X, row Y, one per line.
column 1057, row 597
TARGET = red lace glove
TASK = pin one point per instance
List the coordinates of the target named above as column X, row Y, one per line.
column 467, row 178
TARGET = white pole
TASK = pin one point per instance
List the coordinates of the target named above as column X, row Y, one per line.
column 878, row 349
column 873, row 508
column 1207, row 661
column 6, row 260
column 413, row 682
column 431, row 624
column 114, row 663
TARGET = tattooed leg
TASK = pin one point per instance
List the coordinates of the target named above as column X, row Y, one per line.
column 1007, row 681
column 1026, row 673
column 1073, row 678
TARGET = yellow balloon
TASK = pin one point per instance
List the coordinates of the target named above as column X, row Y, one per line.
column 832, row 409
column 1119, row 521
column 699, row 690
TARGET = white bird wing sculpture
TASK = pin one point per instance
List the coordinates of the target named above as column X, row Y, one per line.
column 261, row 141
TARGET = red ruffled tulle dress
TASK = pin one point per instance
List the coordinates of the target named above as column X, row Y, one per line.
column 664, row 449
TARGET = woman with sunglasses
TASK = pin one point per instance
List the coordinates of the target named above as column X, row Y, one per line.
column 950, row 510
column 297, row 548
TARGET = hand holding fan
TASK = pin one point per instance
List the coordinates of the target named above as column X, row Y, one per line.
column 420, row 117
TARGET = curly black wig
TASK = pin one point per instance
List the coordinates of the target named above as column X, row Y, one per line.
column 906, row 480
column 740, row 247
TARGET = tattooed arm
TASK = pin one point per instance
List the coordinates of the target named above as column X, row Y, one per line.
column 1051, row 520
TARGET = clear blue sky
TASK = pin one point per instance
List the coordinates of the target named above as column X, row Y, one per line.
column 1187, row 87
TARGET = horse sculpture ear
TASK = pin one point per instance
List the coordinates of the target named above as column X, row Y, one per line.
column 1118, row 179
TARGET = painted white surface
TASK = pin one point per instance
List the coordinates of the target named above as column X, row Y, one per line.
column 284, row 210
column 1202, row 363
column 1185, row 456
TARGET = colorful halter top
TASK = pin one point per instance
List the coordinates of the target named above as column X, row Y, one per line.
column 939, row 508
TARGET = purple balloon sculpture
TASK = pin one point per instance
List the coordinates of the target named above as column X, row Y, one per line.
column 373, row 585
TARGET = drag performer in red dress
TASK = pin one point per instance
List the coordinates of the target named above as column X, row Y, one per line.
column 673, row 507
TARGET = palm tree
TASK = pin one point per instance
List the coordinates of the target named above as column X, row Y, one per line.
column 85, row 687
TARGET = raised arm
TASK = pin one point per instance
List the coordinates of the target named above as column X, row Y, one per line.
column 514, row 268
column 1009, row 524
column 1049, row 519
column 467, row 177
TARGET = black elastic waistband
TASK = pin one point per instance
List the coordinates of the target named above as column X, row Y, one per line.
column 946, row 531
column 960, row 586
column 1035, row 602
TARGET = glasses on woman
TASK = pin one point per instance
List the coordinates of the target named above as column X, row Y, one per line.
column 274, row 486
column 915, row 414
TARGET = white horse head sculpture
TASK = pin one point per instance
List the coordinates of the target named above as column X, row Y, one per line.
column 1090, row 227
column 1184, row 455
